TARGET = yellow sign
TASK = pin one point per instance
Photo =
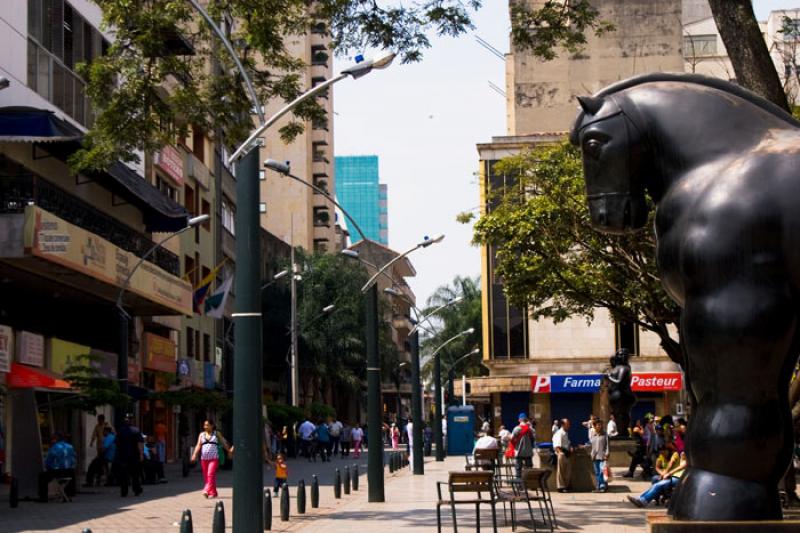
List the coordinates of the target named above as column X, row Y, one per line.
column 160, row 353
column 63, row 353
column 58, row 241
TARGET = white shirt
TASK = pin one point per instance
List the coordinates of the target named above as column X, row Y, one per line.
column 561, row 440
column 486, row 443
column 485, row 427
column 357, row 434
column 410, row 433
column 306, row 429
column 611, row 429
column 504, row 434
column 444, row 426
column 336, row 429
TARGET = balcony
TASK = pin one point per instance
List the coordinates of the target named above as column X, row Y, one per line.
column 198, row 170
column 16, row 192
column 322, row 217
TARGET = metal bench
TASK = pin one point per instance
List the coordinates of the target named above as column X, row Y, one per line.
column 478, row 484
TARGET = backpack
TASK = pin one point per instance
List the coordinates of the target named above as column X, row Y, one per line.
column 514, row 441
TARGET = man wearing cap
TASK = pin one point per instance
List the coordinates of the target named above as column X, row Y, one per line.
column 522, row 438
column 562, row 448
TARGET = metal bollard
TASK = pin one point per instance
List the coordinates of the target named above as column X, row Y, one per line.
column 285, row 503
column 218, row 522
column 186, row 522
column 391, row 463
column 355, row 477
column 267, row 510
column 347, row 479
column 13, row 493
column 86, row 530
column 301, row 496
column 337, row 485
column 314, row 492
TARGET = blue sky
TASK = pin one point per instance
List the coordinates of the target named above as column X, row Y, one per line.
column 423, row 120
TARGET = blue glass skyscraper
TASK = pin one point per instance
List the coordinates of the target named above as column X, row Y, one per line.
column 360, row 193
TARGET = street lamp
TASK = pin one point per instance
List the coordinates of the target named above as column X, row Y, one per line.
column 451, row 372
column 124, row 318
column 275, row 278
column 375, row 458
column 437, row 381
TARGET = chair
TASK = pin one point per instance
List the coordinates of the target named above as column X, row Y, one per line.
column 61, row 486
column 534, row 482
column 484, row 459
column 478, row 483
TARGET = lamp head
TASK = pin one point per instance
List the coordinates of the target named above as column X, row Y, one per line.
column 469, row 331
column 392, row 291
column 194, row 221
column 455, row 300
column 427, row 241
column 353, row 254
column 281, row 274
column 476, row 351
column 277, row 166
column 328, row 308
column 362, row 67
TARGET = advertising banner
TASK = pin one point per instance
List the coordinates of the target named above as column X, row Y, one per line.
column 57, row 241
column 159, row 353
column 171, row 162
column 640, row 381
column 6, row 348
column 30, row 348
column 657, row 381
column 64, row 353
column 209, row 375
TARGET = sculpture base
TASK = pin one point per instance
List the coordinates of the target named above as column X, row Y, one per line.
column 661, row 523
column 619, row 456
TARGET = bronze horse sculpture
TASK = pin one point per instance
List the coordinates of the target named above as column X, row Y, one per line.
column 721, row 165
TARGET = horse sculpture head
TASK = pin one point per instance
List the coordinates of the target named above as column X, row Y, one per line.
column 614, row 164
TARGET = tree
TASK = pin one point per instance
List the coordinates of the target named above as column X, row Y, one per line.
column 93, row 388
column 451, row 321
column 144, row 94
column 552, row 261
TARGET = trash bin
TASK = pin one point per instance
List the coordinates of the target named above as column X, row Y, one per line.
column 460, row 429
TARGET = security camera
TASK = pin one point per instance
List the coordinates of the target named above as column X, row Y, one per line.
column 4, row 82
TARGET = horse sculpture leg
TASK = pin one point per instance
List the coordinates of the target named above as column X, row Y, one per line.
column 741, row 345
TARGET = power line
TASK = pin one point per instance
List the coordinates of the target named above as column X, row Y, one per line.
column 490, row 48
column 497, row 89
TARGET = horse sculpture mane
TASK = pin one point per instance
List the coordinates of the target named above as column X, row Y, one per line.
column 697, row 79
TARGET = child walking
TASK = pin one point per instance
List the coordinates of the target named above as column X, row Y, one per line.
column 281, row 473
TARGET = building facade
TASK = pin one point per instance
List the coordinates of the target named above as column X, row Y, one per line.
column 359, row 190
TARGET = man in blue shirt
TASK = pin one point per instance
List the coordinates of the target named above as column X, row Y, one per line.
column 59, row 463
column 100, row 465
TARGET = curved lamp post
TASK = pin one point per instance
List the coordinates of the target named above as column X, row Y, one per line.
column 124, row 317
column 437, row 382
column 451, row 372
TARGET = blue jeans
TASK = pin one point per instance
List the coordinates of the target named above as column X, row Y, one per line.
column 657, row 488
column 598, row 473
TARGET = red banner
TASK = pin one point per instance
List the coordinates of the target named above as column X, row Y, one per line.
column 24, row 377
column 657, row 381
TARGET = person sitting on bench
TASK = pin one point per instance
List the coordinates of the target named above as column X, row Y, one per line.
column 669, row 479
column 60, row 463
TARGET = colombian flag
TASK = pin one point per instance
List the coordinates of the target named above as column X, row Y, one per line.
column 201, row 291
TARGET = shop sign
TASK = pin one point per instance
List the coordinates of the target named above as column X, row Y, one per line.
column 57, row 241
column 170, row 161
column 657, row 381
column 64, row 353
column 209, row 375
column 23, row 377
column 6, row 348
column 159, row 353
column 134, row 371
column 104, row 362
column 183, row 368
column 30, row 348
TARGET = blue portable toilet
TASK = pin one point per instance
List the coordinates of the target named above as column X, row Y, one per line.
column 460, row 429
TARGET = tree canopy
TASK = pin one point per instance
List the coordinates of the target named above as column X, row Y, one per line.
column 553, row 262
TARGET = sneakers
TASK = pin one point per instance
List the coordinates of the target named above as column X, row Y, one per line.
column 636, row 501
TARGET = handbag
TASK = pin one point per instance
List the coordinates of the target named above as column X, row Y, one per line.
column 606, row 472
column 221, row 453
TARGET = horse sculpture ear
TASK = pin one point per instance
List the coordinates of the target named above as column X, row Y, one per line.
column 590, row 104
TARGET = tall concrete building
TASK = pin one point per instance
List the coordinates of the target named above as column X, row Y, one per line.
column 290, row 210
column 360, row 193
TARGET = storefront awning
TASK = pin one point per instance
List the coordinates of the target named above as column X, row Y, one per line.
column 25, row 377
column 61, row 139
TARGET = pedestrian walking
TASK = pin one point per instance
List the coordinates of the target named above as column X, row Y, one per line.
column 410, row 437
column 306, row 433
column 563, row 449
column 346, row 439
column 611, row 429
column 281, row 473
column 395, row 436
column 128, row 457
column 599, row 455
column 324, row 441
column 356, row 435
column 522, row 440
column 335, row 429
column 211, row 448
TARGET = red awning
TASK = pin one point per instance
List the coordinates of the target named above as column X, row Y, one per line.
column 25, row 377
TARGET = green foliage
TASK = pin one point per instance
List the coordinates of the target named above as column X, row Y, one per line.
column 144, row 97
column 197, row 399
column 281, row 414
column 320, row 411
column 553, row 23
column 449, row 322
column 94, row 389
column 552, row 261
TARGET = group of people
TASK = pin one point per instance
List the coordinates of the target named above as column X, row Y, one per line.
column 652, row 438
column 329, row 438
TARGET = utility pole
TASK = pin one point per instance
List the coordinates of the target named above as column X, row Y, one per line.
column 374, row 429
column 293, row 326
column 437, row 411
column 416, row 408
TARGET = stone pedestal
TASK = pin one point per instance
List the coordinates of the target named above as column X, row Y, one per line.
column 618, row 456
column 582, row 475
column 661, row 523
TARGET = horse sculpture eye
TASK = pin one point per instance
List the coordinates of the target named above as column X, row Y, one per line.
column 592, row 148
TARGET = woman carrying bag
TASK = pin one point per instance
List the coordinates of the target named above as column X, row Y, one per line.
column 213, row 450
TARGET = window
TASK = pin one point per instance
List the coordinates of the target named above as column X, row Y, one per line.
column 168, row 190
column 699, row 46
column 262, row 208
column 190, row 346
column 205, row 209
column 206, row 347
column 199, row 144
column 189, row 270
column 189, row 200
column 627, row 336
column 228, row 217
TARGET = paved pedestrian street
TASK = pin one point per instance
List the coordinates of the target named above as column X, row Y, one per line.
column 409, row 506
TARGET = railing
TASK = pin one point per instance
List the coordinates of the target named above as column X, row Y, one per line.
column 16, row 192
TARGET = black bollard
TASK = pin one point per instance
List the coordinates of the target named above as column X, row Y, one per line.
column 391, row 463
column 337, row 485
column 218, row 522
column 13, row 493
column 186, row 522
column 355, row 477
column 347, row 479
column 314, row 492
column 301, row 496
column 285, row 503
column 86, row 530
column 267, row 510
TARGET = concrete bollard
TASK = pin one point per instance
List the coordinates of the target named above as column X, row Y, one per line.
column 186, row 522
column 285, row 503
column 218, row 522
column 13, row 493
column 301, row 496
column 267, row 510
column 347, row 479
column 337, row 484
column 314, row 492
column 355, row 477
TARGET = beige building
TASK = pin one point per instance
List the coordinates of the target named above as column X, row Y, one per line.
column 290, row 210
